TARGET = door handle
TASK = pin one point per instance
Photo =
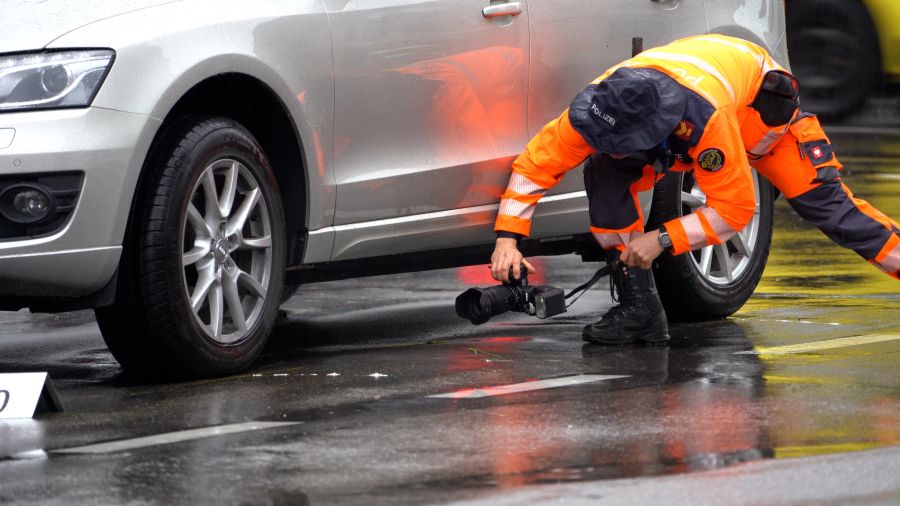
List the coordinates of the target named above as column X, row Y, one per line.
column 507, row 9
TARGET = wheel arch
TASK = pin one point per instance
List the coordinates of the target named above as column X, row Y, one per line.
column 258, row 108
column 762, row 23
column 777, row 50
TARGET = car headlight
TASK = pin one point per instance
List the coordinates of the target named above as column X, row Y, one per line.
column 52, row 80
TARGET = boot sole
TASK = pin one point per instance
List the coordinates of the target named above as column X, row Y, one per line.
column 654, row 337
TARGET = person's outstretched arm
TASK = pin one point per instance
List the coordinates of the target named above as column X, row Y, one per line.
column 556, row 149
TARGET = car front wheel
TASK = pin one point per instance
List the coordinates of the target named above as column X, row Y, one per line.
column 715, row 281
column 201, row 277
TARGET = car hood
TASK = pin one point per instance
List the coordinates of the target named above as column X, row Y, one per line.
column 36, row 23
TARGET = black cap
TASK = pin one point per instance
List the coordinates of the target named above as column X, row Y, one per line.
column 633, row 109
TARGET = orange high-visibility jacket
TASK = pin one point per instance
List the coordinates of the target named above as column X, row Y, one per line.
column 721, row 76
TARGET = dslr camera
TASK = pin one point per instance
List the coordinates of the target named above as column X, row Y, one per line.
column 478, row 305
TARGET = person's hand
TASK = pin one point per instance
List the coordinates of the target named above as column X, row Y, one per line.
column 642, row 251
column 507, row 255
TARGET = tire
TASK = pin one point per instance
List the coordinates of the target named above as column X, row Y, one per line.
column 202, row 272
column 715, row 281
column 834, row 53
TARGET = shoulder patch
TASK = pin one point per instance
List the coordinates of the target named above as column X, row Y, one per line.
column 818, row 151
column 684, row 130
column 711, row 159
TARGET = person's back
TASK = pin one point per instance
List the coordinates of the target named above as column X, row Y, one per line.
column 724, row 70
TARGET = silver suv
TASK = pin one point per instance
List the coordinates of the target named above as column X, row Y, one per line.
column 180, row 166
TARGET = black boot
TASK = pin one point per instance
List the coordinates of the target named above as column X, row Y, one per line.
column 639, row 316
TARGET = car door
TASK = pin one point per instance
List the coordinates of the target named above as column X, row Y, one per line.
column 573, row 42
column 431, row 101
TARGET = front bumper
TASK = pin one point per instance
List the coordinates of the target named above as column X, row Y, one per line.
column 108, row 147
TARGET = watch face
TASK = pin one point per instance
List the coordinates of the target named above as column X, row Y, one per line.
column 664, row 240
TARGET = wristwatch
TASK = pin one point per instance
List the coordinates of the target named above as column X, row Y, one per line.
column 664, row 240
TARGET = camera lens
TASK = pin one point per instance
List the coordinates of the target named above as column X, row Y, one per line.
column 478, row 305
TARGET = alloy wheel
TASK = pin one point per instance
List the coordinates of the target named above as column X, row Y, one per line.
column 722, row 264
column 226, row 251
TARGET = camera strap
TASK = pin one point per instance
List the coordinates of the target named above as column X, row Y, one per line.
column 603, row 271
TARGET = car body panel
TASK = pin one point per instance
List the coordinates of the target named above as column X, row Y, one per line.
column 431, row 110
column 759, row 21
column 393, row 163
column 559, row 68
column 82, row 256
column 40, row 22
column 227, row 39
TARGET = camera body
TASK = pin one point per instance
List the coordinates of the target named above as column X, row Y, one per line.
column 478, row 305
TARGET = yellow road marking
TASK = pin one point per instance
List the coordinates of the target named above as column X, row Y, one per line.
column 789, row 452
column 842, row 342
column 793, row 380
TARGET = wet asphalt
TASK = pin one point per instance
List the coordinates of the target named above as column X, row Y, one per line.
column 349, row 374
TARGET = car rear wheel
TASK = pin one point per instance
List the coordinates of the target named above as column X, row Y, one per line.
column 834, row 53
column 203, row 268
column 715, row 281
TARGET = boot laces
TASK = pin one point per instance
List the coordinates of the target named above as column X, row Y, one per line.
column 613, row 293
column 623, row 307
column 619, row 310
